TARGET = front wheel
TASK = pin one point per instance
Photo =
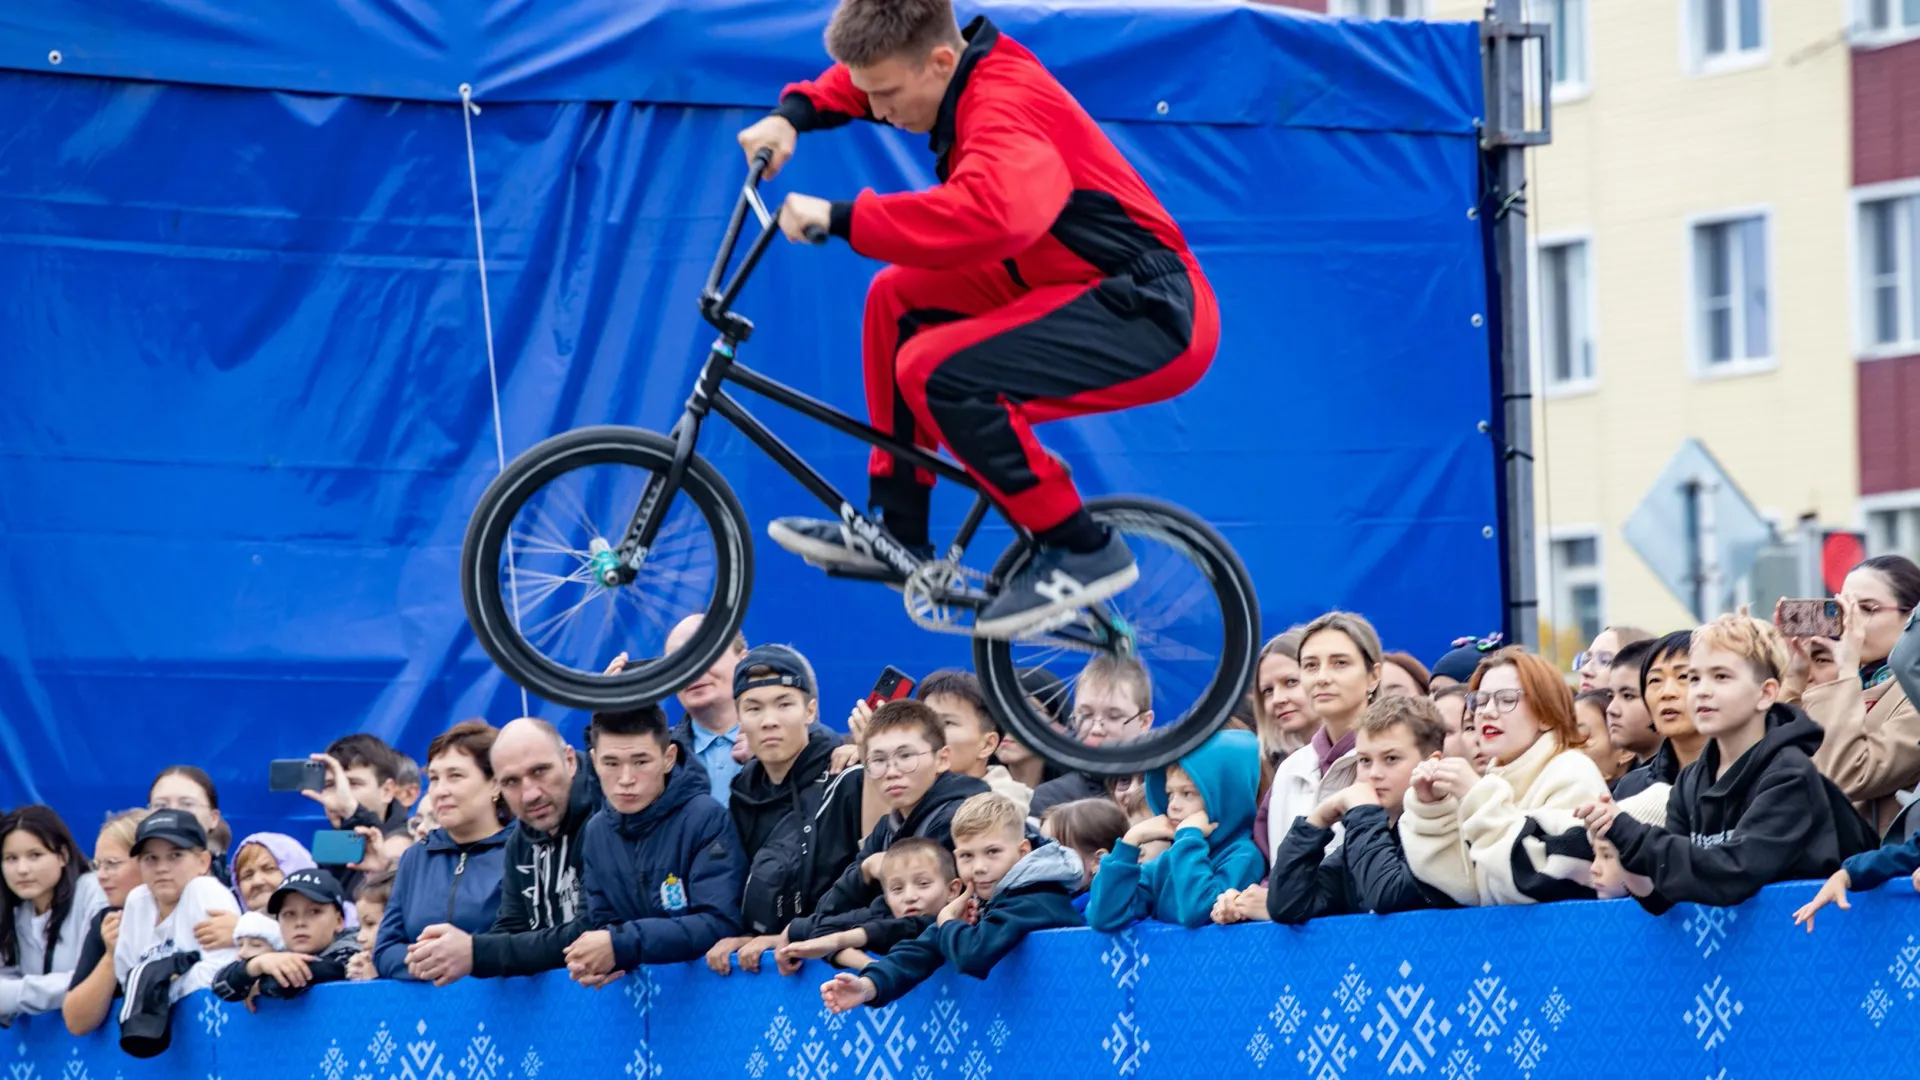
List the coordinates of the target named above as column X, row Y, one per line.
column 530, row 571
column 1143, row 679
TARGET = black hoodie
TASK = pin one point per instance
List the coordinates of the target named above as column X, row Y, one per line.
column 328, row 965
column 799, row 834
column 932, row 819
column 1771, row 818
column 542, row 907
column 1662, row 768
column 1369, row 872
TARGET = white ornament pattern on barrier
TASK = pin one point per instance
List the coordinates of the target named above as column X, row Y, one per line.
column 1713, row 1013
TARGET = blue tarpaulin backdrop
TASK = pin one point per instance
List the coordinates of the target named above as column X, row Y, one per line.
column 1567, row 991
column 244, row 404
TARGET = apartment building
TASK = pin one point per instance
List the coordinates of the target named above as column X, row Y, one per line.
column 1727, row 251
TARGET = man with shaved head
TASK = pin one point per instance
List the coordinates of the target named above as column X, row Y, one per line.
column 710, row 733
column 542, row 909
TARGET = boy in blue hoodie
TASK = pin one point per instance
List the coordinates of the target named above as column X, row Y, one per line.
column 1012, row 889
column 662, row 862
column 1198, row 844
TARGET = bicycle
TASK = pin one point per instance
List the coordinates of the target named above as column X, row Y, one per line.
column 683, row 493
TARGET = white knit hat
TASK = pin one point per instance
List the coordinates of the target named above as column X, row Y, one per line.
column 255, row 925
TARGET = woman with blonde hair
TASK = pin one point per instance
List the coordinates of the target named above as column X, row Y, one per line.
column 1511, row 836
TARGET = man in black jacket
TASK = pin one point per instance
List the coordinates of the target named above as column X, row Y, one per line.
column 799, row 823
column 542, row 907
column 1368, row 872
column 1752, row 810
column 907, row 756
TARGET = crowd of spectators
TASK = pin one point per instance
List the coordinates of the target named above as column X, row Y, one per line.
column 1696, row 766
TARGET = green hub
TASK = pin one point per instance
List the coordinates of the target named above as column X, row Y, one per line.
column 606, row 565
column 1124, row 639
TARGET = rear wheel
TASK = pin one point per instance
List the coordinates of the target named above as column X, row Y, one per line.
column 545, row 529
column 1190, row 625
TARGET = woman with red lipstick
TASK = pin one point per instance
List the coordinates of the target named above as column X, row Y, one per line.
column 1511, row 836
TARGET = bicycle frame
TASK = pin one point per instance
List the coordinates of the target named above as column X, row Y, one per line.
column 710, row 396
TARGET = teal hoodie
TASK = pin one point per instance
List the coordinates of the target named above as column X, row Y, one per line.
column 1181, row 885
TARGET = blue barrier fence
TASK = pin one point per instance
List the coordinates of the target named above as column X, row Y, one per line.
column 1566, row 990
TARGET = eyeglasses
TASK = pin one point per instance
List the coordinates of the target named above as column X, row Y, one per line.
column 1501, row 701
column 904, row 760
column 109, row 866
column 1597, row 659
column 1084, row 720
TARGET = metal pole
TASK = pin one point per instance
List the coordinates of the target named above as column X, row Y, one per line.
column 1504, row 140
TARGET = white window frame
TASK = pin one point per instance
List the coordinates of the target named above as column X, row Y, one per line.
column 1693, row 56
column 1569, row 90
column 1559, row 587
column 1890, row 502
column 1363, row 9
column 1543, row 373
column 1863, row 36
column 1864, row 347
column 1699, row 363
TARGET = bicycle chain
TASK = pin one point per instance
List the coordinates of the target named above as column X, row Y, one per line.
column 949, row 577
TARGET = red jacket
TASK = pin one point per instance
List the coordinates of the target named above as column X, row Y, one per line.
column 1027, row 177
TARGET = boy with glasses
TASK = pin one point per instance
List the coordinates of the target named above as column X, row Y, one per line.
column 908, row 759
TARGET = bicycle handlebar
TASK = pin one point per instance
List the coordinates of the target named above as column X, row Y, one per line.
column 716, row 301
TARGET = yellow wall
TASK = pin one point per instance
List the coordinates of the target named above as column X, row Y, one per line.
column 1648, row 147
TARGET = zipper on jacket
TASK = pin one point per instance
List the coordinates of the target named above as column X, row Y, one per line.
column 453, row 894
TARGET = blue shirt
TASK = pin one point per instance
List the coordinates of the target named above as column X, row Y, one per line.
column 716, row 754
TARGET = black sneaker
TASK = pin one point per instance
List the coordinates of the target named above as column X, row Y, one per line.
column 830, row 545
column 1057, row 583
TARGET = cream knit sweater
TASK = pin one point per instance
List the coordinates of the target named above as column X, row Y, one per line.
column 1465, row 846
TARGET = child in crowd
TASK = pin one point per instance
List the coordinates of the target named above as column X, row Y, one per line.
column 1590, row 717
column 257, row 934
column 1012, row 890
column 1510, row 837
column 369, row 903
column 1629, row 724
column 1752, row 809
column 1451, row 701
column 1663, row 690
column 972, row 736
column 1199, row 844
column 1369, row 871
column 919, row 878
column 908, row 758
column 1091, row 827
column 311, row 914
column 178, row 893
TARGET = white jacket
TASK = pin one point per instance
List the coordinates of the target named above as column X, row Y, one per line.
column 1465, row 846
column 1298, row 787
column 145, row 936
column 32, row 986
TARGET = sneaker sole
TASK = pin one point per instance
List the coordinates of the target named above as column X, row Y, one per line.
column 820, row 553
column 1012, row 626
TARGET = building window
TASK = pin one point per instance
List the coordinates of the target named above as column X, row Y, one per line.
column 1569, row 42
column 1577, row 607
column 1894, row 531
column 1379, row 9
column 1566, row 316
column 1889, row 249
column 1726, row 30
column 1885, row 21
column 1732, row 323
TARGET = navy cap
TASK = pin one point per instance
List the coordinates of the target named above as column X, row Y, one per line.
column 316, row 885
column 176, row 827
column 783, row 667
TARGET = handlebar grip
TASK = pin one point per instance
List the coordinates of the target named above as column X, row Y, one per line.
column 762, row 158
column 816, row 235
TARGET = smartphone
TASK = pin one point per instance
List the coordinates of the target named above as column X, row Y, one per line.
column 1810, row 618
column 296, row 774
column 894, row 684
column 338, row 847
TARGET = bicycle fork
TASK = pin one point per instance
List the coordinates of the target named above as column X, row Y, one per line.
column 618, row 566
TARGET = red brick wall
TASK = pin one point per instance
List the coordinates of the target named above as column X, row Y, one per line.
column 1889, row 425
column 1886, row 113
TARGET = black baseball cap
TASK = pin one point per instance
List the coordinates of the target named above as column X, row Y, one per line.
column 316, row 885
column 176, row 827
column 785, row 667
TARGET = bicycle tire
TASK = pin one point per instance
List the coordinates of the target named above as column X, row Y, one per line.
column 1006, row 698
column 643, row 682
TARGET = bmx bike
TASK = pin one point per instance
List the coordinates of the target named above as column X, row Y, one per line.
column 553, row 594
